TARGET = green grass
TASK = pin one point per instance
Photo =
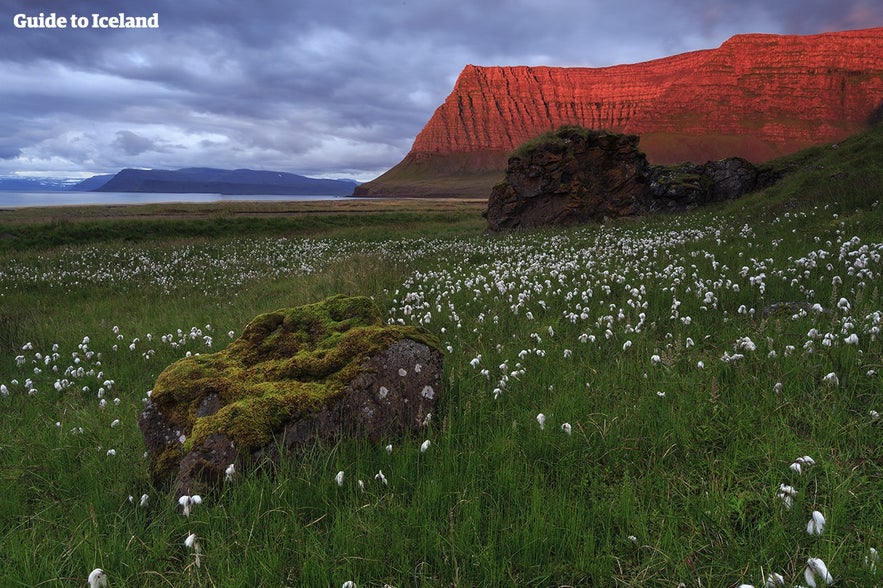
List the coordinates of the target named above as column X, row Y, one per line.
column 585, row 325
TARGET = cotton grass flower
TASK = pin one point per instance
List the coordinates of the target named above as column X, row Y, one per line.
column 381, row 477
column 188, row 502
column 774, row 580
column 816, row 524
column 97, row 578
column 424, row 446
column 192, row 542
column 339, row 478
column 831, row 379
column 871, row 560
column 816, row 573
column 230, row 472
column 786, row 494
column 541, row 421
column 567, row 428
column 800, row 463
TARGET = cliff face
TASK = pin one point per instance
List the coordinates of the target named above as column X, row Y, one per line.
column 757, row 97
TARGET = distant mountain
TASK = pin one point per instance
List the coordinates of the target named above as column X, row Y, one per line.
column 90, row 184
column 203, row 180
column 35, row 184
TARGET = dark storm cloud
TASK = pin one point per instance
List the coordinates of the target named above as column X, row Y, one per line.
column 323, row 87
column 134, row 144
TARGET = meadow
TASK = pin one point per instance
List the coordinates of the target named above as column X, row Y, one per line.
column 676, row 400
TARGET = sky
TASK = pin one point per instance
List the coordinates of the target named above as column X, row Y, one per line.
column 323, row 88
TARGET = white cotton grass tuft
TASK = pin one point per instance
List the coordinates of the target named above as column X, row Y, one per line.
column 541, row 421
column 567, row 428
column 339, row 478
column 349, row 584
column 801, row 463
column 816, row 570
column 230, row 472
column 424, row 446
column 188, row 502
column 381, row 477
column 871, row 560
column 145, row 500
column 816, row 524
column 831, row 379
column 786, row 494
column 773, row 580
column 97, row 578
column 192, row 542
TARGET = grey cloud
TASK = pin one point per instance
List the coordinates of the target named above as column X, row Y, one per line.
column 133, row 144
column 9, row 152
column 319, row 86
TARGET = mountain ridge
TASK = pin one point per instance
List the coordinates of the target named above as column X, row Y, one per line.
column 205, row 180
column 756, row 96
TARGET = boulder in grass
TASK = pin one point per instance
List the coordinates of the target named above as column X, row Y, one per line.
column 318, row 372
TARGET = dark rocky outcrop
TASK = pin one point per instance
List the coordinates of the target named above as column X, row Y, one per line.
column 688, row 185
column 576, row 175
column 318, row 372
column 571, row 176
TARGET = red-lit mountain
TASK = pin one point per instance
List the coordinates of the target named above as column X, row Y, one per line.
column 756, row 96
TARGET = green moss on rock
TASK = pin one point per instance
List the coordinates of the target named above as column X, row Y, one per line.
column 285, row 362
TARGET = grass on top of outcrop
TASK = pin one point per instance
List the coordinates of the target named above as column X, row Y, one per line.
column 557, row 140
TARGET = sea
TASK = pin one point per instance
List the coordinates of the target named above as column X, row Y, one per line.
column 25, row 199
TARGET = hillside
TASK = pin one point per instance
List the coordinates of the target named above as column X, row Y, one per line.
column 220, row 181
column 756, row 96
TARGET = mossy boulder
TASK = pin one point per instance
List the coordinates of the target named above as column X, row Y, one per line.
column 316, row 372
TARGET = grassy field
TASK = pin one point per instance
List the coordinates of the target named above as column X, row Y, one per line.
column 624, row 407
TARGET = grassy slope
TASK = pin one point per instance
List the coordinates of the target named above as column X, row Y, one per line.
column 648, row 490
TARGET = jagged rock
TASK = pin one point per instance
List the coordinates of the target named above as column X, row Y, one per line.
column 576, row 175
column 318, row 372
column 573, row 175
column 756, row 96
column 688, row 185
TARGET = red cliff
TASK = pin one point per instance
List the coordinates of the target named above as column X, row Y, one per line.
column 756, row 96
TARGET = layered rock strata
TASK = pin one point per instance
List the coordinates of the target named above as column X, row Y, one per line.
column 756, row 97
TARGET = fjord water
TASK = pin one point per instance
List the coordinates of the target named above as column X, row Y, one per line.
column 25, row 199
